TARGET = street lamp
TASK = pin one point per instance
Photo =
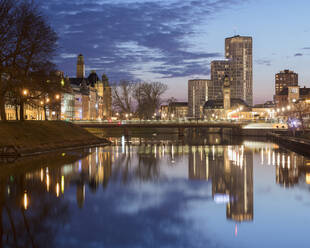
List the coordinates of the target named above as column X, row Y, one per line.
column 47, row 100
column 57, row 97
column 25, row 92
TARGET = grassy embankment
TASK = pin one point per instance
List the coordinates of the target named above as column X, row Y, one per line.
column 36, row 136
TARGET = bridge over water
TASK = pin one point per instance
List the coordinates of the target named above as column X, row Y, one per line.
column 233, row 127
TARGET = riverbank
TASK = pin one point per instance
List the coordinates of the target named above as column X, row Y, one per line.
column 36, row 137
column 299, row 145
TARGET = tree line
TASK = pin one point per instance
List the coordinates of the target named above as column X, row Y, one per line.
column 28, row 76
column 141, row 99
column 27, row 46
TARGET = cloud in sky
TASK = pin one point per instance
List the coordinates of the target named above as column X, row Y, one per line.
column 298, row 54
column 266, row 62
column 127, row 39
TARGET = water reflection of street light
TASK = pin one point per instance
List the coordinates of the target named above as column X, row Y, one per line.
column 57, row 189
column 25, row 201
column 62, row 184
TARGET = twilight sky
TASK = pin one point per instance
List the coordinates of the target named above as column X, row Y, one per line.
column 175, row 40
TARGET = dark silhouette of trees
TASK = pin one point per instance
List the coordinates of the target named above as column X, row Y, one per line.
column 141, row 99
column 27, row 45
column 122, row 95
column 299, row 110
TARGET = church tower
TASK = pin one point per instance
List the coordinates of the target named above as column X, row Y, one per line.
column 80, row 68
column 226, row 93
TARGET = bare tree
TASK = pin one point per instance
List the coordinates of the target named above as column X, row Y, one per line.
column 141, row 99
column 7, row 21
column 300, row 110
column 149, row 98
column 122, row 95
column 26, row 47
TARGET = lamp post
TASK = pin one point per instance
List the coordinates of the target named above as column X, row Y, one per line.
column 58, row 107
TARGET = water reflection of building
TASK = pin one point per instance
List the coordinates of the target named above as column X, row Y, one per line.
column 80, row 194
column 93, row 170
column 291, row 168
column 231, row 171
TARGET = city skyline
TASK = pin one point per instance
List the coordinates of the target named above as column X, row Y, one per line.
column 126, row 39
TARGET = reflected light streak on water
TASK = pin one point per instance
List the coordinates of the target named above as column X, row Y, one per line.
column 216, row 188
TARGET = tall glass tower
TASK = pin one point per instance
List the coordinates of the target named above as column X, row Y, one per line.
column 238, row 50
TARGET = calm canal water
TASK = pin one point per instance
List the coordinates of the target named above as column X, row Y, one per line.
column 158, row 193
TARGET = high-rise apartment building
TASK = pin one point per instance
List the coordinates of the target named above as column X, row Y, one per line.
column 197, row 96
column 238, row 50
column 238, row 67
column 219, row 69
column 285, row 79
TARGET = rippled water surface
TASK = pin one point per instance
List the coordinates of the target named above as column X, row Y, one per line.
column 158, row 193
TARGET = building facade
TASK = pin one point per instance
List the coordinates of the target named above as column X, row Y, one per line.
column 174, row 110
column 95, row 94
column 238, row 66
column 238, row 50
column 291, row 95
column 284, row 79
column 197, row 96
column 219, row 69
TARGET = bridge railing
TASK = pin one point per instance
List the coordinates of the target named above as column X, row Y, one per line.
column 121, row 122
